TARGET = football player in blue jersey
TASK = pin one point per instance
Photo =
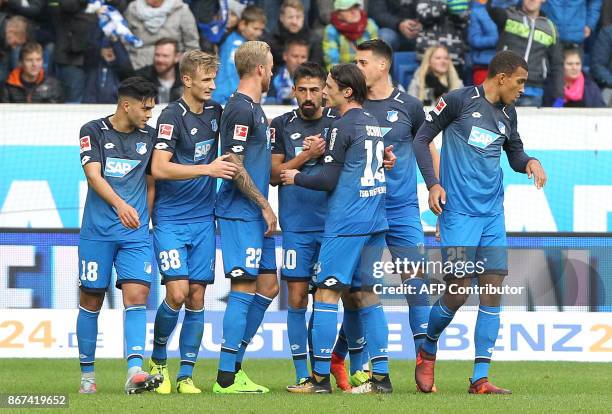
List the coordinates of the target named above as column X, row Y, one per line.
column 115, row 154
column 355, row 226
column 399, row 116
column 298, row 143
column 246, row 220
column 185, row 166
column 477, row 123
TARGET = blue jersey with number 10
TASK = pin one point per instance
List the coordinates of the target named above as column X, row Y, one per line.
column 300, row 209
column 357, row 204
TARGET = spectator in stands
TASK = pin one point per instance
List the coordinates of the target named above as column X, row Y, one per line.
column 106, row 70
column 349, row 26
column 397, row 22
column 482, row 37
column 251, row 27
column 14, row 33
column 606, row 13
column 272, row 9
column 580, row 90
column 164, row 72
column 74, row 28
column 575, row 19
column 212, row 18
column 152, row 20
column 444, row 23
column 292, row 26
column 527, row 32
column 601, row 62
column 28, row 82
column 281, row 88
column 435, row 77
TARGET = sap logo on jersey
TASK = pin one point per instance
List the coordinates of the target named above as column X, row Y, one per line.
column 481, row 138
column 119, row 167
column 374, row 131
column 202, row 149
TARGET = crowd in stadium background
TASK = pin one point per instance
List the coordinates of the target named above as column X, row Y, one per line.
column 79, row 50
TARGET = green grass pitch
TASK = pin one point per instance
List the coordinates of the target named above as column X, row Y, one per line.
column 539, row 387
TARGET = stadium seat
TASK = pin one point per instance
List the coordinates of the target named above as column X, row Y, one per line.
column 404, row 66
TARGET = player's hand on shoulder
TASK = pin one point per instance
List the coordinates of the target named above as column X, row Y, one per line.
column 437, row 198
column 534, row 169
column 288, row 176
column 128, row 215
column 390, row 158
column 221, row 168
column 271, row 220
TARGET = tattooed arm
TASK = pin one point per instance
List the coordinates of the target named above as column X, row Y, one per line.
column 245, row 184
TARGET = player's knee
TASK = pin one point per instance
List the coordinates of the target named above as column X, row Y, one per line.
column 175, row 298
column 270, row 291
column 91, row 301
column 490, row 300
column 327, row 295
column 267, row 285
column 134, row 294
column 297, row 300
column 363, row 299
column 195, row 300
column 454, row 301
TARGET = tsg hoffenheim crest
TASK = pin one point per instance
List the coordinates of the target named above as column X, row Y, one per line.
column 141, row 148
column 392, row 116
column 501, row 126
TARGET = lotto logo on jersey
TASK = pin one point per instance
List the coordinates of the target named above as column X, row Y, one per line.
column 85, row 144
column 202, row 149
column 165, row 131
column 119, row 167
column 373, row 131
column 481, row 138
column 241, row 132
column 439, row 106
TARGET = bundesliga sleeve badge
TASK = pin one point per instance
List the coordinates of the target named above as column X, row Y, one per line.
column 165, row 131
column 439, row 106
column 85, row 143
column 241, row 132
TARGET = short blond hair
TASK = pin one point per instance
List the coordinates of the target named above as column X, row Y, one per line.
column 250, row 55
column 293, row 4
column 194, row 59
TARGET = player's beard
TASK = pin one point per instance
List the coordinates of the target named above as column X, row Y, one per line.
column 308, row 111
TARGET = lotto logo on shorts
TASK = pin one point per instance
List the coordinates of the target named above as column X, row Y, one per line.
column 439, row 106
column 85, row 144
column 241, row 132
column 165, row 131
